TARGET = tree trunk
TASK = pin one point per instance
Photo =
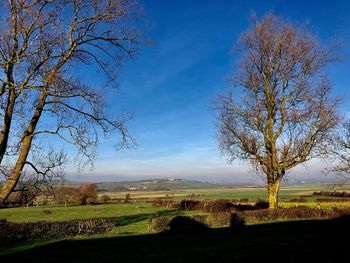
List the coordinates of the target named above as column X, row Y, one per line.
column 16, row 173
column 25, row 148
column 272, row 189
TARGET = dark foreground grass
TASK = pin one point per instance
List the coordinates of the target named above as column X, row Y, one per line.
column 297, row 241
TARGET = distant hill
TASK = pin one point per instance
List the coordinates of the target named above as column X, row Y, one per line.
column 171, row 184
column 154, row 185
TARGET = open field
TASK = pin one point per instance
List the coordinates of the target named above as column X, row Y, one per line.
column 132, row 220
column 287, row 192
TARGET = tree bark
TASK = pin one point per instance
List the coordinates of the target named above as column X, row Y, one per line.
column 4, row 134
column 273, row 189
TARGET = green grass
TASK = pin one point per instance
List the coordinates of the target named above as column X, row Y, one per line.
column 132, row 219
column 61, row 213
column 306, row 241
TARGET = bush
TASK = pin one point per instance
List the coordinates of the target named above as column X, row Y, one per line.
column 261, row 205
column 87, row 194
column 11, row 232
column 191, row 205
column 176, row 223
column 127, row 198
column 334, row 193
column 218, row 206
column 268, row 215
column 236, row 220
column 185, row 224
column 218, row 219
column 105, row 198
column 168, row 223
column 240, row 218
column 159, row 224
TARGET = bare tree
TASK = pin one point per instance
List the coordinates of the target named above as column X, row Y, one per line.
column 341, row 153
column 279, row 111
column 64, row 195
column 48, row 53
column 87, row 194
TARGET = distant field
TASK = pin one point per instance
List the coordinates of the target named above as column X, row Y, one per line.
column 287, row 192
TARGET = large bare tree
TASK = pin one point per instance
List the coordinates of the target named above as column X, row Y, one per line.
column 48, row 87
column 280, row 110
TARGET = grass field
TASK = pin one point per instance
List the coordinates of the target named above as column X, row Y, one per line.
column 132, row 219
column 286, row 193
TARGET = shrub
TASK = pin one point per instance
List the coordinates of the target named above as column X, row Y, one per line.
column 105, row 198
column 176, row 223
column 87, row 194
column 218, row 219
column 127, row 198
column 218, row 206
column 159, row 224
column 191, row 205
column 261, row 205
column 334, row 193
column 185, row 224
column 268, row 215
column 236, row 221
column 200, row 218
column 11, row 232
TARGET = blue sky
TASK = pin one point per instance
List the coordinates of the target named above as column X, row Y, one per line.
column 170, row 86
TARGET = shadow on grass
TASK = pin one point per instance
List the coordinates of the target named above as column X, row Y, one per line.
column 297, row 241
column 130, row 219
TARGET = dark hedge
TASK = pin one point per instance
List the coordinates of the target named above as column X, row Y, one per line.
column 12, row 232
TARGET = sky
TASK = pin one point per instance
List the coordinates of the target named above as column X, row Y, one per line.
column 171, row 85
